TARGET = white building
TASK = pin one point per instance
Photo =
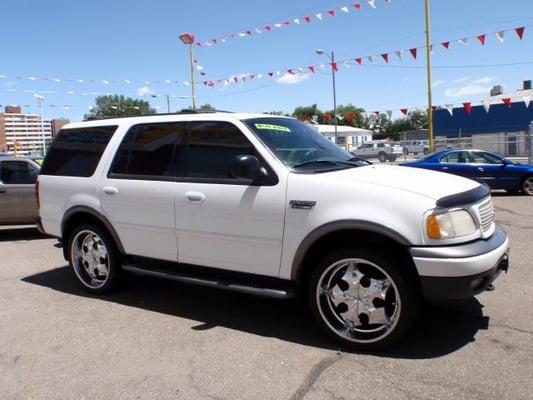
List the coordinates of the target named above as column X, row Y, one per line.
column 347, row 136
column 21, row 133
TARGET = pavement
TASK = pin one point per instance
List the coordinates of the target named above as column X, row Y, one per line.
column 155, row 339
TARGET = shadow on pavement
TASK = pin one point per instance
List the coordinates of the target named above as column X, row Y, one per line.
column 439, row 331
column 20, row 233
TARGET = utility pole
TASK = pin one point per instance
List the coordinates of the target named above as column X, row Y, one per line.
column 40, row 100
column 332, row 63
column 428, row 67
column 188, row 39
column 168, row 103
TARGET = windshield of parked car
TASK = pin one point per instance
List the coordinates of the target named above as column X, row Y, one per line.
column 299, row 145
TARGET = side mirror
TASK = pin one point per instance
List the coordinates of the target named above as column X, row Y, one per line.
column 246, row 167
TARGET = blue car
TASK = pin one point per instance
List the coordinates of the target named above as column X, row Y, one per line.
column 495, row 171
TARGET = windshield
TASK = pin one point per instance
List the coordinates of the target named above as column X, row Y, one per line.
column 299, row 145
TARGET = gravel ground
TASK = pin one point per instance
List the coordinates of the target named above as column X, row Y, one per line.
column 161, row 340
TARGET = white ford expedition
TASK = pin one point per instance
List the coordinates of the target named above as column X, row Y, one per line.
column 266, row 205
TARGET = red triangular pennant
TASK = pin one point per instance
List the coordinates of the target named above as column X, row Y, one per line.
column 268, row 28
column 413, row 52
column 350, row 116
column 446, row 45
column 520, row 32
column 270, row 74
column 468, row 108
column 375, row 112
column 311, row 68
column 404, row 111
column 357, row 5
column 385, row 57
column 307, row 18
column 286, row 22
column 507, row 101
column 335, row 66
column 481, row 39
column 248, row 33
column 331, row 12
column 359, row 61
column 290, row 71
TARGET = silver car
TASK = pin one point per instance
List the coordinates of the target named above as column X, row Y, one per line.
column 17, row 188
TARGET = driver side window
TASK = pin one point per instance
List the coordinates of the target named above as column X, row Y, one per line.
column 17, row 173
column 456, row 157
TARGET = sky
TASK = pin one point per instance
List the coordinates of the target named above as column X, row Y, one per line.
column 137, row 41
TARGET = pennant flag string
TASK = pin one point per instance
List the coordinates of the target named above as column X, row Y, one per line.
column 320, row 16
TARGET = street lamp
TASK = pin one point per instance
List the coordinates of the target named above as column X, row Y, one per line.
column 332, row 63
column 188, row 38
column 40, row 100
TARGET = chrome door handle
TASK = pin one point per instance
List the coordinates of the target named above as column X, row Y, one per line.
column 480, row 169
column 194, row 197
column 445, row 168
column 111, row 190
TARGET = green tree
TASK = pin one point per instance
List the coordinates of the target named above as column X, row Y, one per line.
column 206, row 107
column 350, row 115
column 307, row 112
column 277, row 113
column 119, row 106
column 418, row 119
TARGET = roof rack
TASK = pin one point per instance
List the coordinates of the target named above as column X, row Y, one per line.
column 181, row 112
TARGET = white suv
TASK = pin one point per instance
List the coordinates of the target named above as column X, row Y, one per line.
column 267, row 206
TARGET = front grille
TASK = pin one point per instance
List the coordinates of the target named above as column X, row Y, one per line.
column 486, row 215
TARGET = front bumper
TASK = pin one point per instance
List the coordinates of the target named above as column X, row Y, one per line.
column 462, row 271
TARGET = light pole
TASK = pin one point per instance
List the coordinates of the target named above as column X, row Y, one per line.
column 332, row 63
column 188, row 38
column 40, row 100
column 428, row 62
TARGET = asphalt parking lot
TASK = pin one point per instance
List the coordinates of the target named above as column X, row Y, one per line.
column 162, row 340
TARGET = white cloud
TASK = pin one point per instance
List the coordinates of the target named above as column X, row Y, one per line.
column 144, row 91
column 485, row 79
column 292, row 79
column 467, row 91
column 438, row 83
column 461, row 79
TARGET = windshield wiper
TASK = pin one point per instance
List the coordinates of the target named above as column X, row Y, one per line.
column 330, row 162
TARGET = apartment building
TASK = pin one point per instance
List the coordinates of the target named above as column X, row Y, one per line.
column 21, row 133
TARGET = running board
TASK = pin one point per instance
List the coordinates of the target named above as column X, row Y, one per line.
column 275, row 292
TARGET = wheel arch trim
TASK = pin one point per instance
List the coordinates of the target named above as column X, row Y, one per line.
column 341, row 225
column 102, row 219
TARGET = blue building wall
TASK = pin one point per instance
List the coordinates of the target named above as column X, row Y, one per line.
column 500, row 118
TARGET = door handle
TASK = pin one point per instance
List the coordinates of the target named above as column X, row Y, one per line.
column 194, row 197
column 111, row 190
column 445, row 168
column 480, row 169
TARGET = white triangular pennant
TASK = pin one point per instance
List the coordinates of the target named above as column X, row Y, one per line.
column 296, row 20
column 372, row 3
column 278, row 25
column 389, row 113
column 399, row 53
column 257, row 30
column 319, row 16
column 464, row 42
column 345, row 9
column 486, row 105
column 500, row 36
column 345, row 63
column 527, row 100
column 449, row 107
column 371, row 59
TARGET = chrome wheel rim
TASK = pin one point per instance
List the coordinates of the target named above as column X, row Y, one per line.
column 358, row 300
column 528, row 186
column 90, row 259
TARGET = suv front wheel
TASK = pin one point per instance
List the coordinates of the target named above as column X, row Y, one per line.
column 362, row 299
column 94, row 258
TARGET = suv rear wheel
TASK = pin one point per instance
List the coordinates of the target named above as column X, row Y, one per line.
column 362, row 299
column 94, row 258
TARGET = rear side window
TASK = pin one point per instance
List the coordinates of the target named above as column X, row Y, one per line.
column 17, row 173
column 151, row 150
column 212, row 146
column 77, row 152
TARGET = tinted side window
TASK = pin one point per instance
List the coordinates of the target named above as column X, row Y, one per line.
column 17, row 173
column 77, row 152
column 212, row 146
column 151, row 150
column 457, row 157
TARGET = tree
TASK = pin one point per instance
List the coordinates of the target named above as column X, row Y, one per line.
column 206, row 108
column 350, row 115
column 418, row 119
column 306, row 113
column 119, row 106
column 277, row 113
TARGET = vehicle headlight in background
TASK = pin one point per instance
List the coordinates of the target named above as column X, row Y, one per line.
column 450, row 224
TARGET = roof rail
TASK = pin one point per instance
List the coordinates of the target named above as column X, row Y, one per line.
column 181, row 112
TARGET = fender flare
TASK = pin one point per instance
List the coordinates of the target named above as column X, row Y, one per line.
column 341, row 225
column 102, row 219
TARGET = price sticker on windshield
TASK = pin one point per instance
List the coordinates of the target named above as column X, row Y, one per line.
column 271, row 127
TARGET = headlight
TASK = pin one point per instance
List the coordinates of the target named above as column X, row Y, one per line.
column 450, row 224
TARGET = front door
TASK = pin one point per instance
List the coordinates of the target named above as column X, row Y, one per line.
column 221, row 221
column 17, row 192
column 138, row 193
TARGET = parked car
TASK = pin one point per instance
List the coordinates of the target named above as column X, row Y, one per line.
column 266, row 205
column 491, row 169
column 415, row 147
column 378, row 149
column 17, row 191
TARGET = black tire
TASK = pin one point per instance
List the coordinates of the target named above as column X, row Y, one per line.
column 405, row 151
column 328, row 315
column 527, row 185
column 382, row 157
column 111, row 259
column 392, row 158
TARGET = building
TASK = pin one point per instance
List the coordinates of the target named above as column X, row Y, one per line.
column 492, row 125
column 347, row 136
column 21, row 133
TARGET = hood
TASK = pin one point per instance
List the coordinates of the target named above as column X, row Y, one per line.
column 433, row 184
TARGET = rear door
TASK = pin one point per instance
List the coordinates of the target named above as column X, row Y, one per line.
column 138, row 192
column 17, row 186
column 489, row 169
column 456, row 162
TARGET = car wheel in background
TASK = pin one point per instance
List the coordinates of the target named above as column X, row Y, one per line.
column 527, row 185
column 94, row 258
column 362, row 299
column 382, row 157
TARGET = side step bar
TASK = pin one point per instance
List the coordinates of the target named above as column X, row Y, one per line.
column 224, row 284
